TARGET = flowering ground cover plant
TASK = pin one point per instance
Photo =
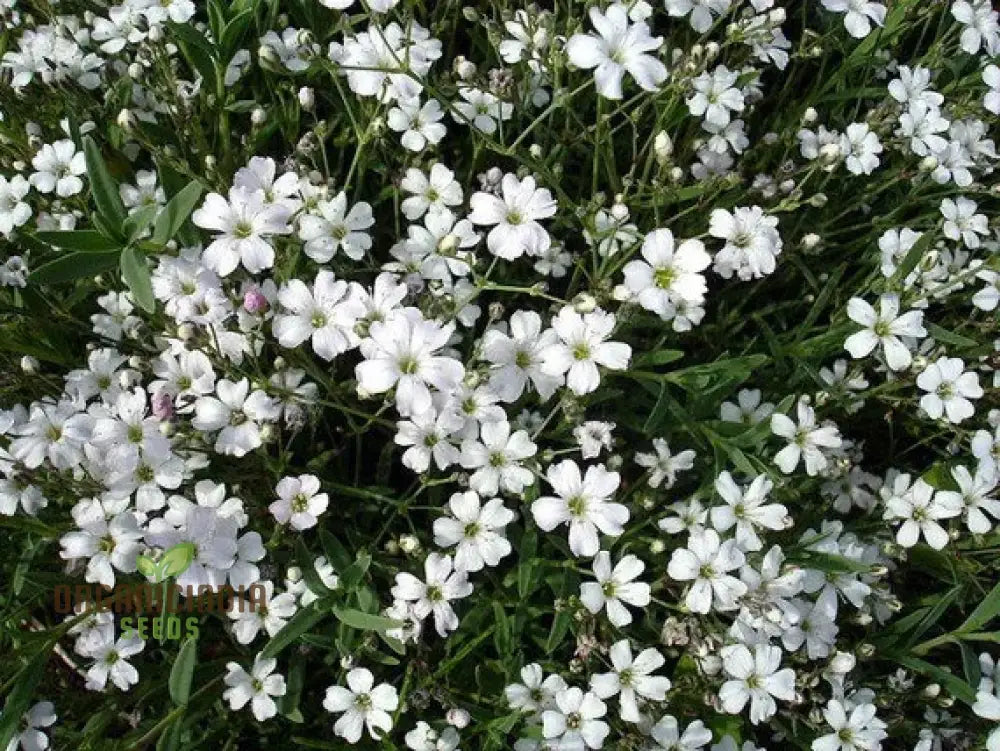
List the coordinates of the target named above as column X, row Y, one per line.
column 595, row 375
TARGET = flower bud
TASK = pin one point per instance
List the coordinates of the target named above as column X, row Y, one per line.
column 254, row 301
column 307, row 98
column 29, row 364
column 162, row 405
column 258, row 116
column 458, row 717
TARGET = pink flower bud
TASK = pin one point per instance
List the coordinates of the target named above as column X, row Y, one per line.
column 163, row 406
column 254, row 301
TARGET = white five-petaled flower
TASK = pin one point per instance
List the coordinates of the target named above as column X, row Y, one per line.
column 476, row 529
column 58, row 167
column 884, row 328
column 975, row 495
column 631, row 679
column 618, row 47
column 575, row 723
column 755, row 677
column 256, row 687
column 514, row 217
column 237, row 413
column 362, row 705
column 662, row 465
column 32, row 738
column 109, row 662
column 706, row 563
column 950, row 388
column 582, row 503
column 582, row 346
column 615, row 587
column 860, row 730
column 442, row 584
column 326, row 315
column 859, row 15
column 747, row 510
column 334, row 228
column 806, row 440
column 243, row 224
column 299, row 501
column 498, row 459
column 716, row 96
column 667, row 274
column 920, row 509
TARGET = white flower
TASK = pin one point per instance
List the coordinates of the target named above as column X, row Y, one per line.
column 481, row 109
column 749, row 409
column 667, row 274
column 41, row 715
column 401, row 352
column 806, row 440
column 663, row 465
column 716, row 96
column 434, row 191
column 419, row 124
column 299, row 501
column 498, row 458
column 991, row 77
column 363, row 705
column 582, row 503
column 478, row 531
column 615, row 587
column 861, row 148
column 424, row 738
column 752, row 242
column 981, row 26
column 243, row 223
column 962, row 222
column 335, row 228
column 921, row 508
column 434, row 595
column 702, row 16
column 110, row 663
column 428, row 436
column 574, row 723
column 58, row 167
column 516, row 217
column 517, row 358
column 271, row 615
column 755, row 678
column 106, row 544
column 256, row 687
column 668, row 736
column 859, row 731
column 617, row 48
column 973, row 495
column 705, row 562
column 860, row 14
column 884, row 329
column 237, row 413
column 593, row 437
column 747, row 510
column 326, row 315
column 14, row 212
column 582, row 347
column 537, row 693
column 631, row 679
column 949, row 389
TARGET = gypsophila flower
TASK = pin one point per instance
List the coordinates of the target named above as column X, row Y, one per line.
column 950, row 388
column 615, row 587
column 362, row 705
column 255, row 688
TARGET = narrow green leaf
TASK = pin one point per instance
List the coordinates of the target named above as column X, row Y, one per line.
column 986, row 611
column 73, row 266
column 299, row 623
column 21, row 695
column 81, row 239
column 182, row 672
column 952, row 683
column 365, row 621
column 176, row 212
column 104, row 188
column 137, row 223
column 233, row 34
column 136, row 276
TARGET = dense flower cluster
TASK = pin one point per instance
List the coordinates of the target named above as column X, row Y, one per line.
column 617, row 375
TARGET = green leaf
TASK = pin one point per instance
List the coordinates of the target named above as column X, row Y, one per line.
column 354, row 573
column 197, row 50
column 175, row 561
column 947, row 337
column 365, row 621
column 952, row 683
column 234, row 32
column 103, row 187
column 136, row 224
column 182, row 672
column 146, row 566
column 986, row 611
column 176, row 212
column 81, row 239
column 136, row 276
column 73, row 266
column 913, row 256
column 660, row 357
column 297, row 625
column 20, row 696
column 336, row 554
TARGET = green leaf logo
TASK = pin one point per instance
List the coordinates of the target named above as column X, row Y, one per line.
column 174, row 562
